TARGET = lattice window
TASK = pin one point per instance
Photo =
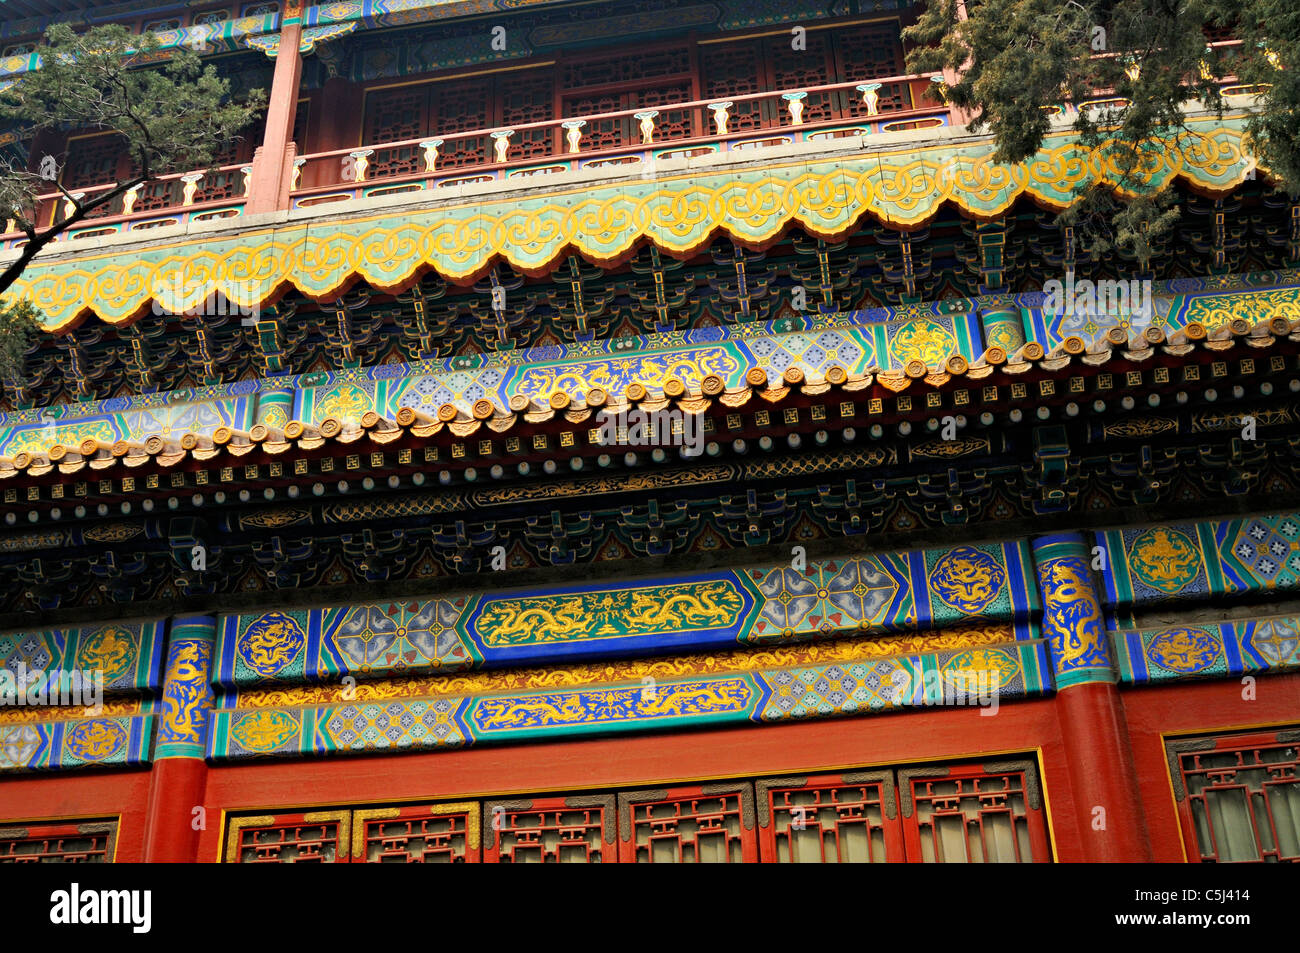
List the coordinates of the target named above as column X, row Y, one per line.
column 219, row 186
column 626, row 67
column 66, row 842
column 830, row 819
column 427, row 834
column 573, row 830
column 670, row 123
column 803, row 69
column 159, row 194
column 320, row 837
column 462, row 106
column 973, row 814
column 395, row 115
column 868, row 53
column 94, row 160
column 528, row 98
column 1239, row 797
column 736, row 70
column 708, row 824
column 602, row 133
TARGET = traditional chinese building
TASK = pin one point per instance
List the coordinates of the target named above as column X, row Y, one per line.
column 893, row 551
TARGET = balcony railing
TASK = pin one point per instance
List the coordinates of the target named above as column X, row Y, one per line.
column 670, row 130
column 167, row 200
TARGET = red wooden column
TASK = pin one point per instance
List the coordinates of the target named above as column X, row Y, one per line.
column 1103, row 779
column 272, row 178
column 179, row 777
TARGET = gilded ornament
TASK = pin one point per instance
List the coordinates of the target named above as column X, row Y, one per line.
column 264, row 730
column 1165, row 559
column 270, row 643
column 1184, row 650
column 95, row 740
column 967, row 579
column 110, row 649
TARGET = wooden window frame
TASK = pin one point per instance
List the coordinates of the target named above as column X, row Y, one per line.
column 493, row 829
column 52, row 829
column 1180, row 750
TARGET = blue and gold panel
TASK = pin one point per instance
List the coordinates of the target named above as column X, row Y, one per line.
column 128, row 655
column 700, row 701
column 187, row 689
column 63, row 745
column 865, row 596
column 978, row 674
column 1191, row 561
column 1072, row 618
column 858, row 342
column 1209, row 650
column 316, row 645
column 650, row 616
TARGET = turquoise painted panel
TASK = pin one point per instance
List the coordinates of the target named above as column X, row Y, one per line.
column 1195, row 561
column 1212, row 650
column 858, row 341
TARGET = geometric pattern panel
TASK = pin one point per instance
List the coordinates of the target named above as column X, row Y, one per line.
column 1209, row 650
column 1089, row 311
column 857, row 341
column 1201, row 560
column 860, row 596
column 123, row 418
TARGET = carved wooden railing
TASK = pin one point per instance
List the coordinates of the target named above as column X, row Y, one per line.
column 167, row 200
column 889, row 104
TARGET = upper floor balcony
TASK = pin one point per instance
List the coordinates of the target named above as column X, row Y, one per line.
column 373, row 129
column 355, row 136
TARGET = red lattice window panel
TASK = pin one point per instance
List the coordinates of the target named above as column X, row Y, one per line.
column 627, row 67
column 526, row 98
column 829, row 819
column 394, row 115
column 160, row 194
column 94, row 160
column 558, row 830
column 803, row 69
column 737, row 70
column 870, row 52
column 973, row 814
column 1239, row 797
column 317, row 837
column 423, row 834
column 219, row 186
column 711, row 823
column 462, row 106
column 65, row 842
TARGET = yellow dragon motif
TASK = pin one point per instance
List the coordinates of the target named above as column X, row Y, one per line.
column 653, row 610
